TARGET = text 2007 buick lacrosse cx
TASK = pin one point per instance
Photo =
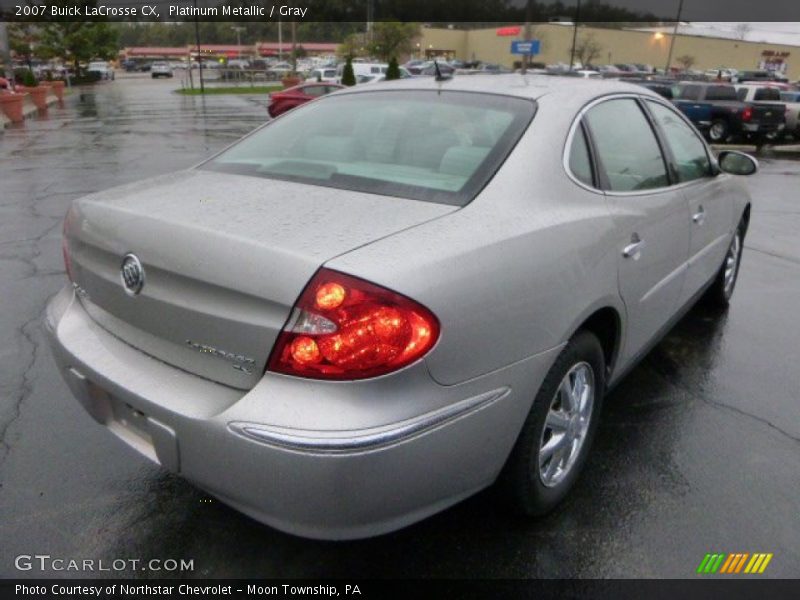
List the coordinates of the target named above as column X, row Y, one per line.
column 388, row 299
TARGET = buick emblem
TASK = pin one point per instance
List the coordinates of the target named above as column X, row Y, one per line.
column 132, row 274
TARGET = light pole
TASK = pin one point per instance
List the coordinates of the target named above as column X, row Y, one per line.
column 674, row 35
column 575, row 35
column 199, row 54
column 527, row 57
column 280, row 39
column 239, row 31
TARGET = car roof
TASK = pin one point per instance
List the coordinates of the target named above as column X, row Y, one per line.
column 513, row 84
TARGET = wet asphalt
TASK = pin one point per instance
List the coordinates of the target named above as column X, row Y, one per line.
column 698, row 450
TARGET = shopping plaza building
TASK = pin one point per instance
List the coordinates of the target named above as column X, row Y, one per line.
column 636, row 45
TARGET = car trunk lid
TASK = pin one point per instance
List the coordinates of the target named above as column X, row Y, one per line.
column 224, row 259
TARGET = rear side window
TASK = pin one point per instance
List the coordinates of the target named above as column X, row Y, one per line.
column 626, row 146
column 579, row 162
column 687, row 92
column 767, row 94
column 437, row 146
column 721, row 92
column 688, row 150
column 741, row 93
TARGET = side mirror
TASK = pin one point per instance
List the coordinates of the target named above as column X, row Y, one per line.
column 737, row 163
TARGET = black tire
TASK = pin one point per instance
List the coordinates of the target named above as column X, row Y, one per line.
column 522, row 480
column 720, row 293
column 719, row 131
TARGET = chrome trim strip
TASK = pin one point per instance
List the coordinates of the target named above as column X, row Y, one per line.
column 363, row 440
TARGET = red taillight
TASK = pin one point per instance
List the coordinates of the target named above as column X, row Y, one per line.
column 747, row 113
column 346, row 328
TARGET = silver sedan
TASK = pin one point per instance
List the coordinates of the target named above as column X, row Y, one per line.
column 391, row 298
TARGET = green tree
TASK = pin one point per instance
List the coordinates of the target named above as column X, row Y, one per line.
column 393, row 72
column 352, row 46
column 348, row 76
column 77, row 41
column 392, row 38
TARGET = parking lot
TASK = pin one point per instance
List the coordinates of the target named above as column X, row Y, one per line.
column 698, row 450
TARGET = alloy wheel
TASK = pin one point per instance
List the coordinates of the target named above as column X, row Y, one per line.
column 732, row 264
column 566, row 425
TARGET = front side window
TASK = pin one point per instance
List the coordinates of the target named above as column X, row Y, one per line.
column 626, row 146
column 687, row 148
column 437, row 146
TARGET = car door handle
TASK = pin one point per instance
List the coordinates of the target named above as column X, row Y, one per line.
column 700, row 216
column 634, row 249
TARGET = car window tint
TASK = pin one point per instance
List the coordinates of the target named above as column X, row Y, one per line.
column 579, row 162
column 768, row 94
column 721, row 92
column 741, row 93
column 627, row 146
column 314, row 90
column 437, row 146
column 687, row 148
column 688, row 92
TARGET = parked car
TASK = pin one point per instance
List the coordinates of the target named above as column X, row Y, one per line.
column 792, row 102
column 363, row 68
column 748, row 76
column 730, row 117
column 444, row 69
column 721, row 73
column 279, row 102
column 102, row 69
column 699, row 113
column 160, row 69
column 583, row 73
column 397, row 295
column 415, row 66
column 327, row 75
column 278, row 71
column 767, row 96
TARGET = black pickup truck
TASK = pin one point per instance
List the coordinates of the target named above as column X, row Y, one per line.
column 730, row 117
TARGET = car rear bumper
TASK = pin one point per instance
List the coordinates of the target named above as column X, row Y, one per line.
column 762, row 127
column 327, row 460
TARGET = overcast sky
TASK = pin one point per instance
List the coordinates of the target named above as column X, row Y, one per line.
column 778, row 33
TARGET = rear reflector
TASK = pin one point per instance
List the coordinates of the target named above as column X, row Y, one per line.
column 345, row 328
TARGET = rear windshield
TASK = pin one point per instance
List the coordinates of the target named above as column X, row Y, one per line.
column 771, row 94
column 436, row 146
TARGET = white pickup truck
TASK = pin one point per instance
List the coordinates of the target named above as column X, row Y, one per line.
column 792, row 101
column 764, row 94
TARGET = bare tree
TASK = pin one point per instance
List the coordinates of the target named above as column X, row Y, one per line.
column 687, row 61
column 741, row 30
column 587, row 48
